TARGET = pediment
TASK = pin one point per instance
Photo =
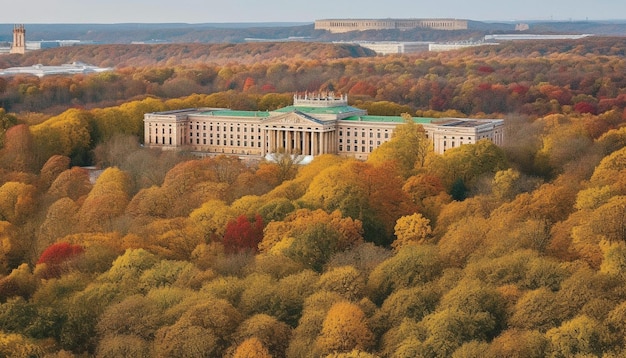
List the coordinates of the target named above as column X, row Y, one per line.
column 291, row 118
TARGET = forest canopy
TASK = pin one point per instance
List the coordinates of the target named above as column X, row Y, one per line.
column 485, row 251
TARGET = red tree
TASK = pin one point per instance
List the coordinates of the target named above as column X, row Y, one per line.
column 243, row 234
column 56, row 255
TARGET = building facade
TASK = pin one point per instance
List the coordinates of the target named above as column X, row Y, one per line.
column 346, row 25
column 313, row 125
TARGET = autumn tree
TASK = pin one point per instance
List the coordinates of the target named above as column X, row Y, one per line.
column 72, row 183
column 251, row 348
column 17, row 201
column 344, row 329
column 6, row 121
column 106, row 201
column 412, row 229
column 53, row 167
column 17, row 153
column 366, row 192
column 66, row 134
column 203, row 329
column 55, row 256
column 242, row 234
column 346, row 281
column 272, row 334
column 408, row 147
column 465, row 164
column 581, row 335
column 410, row 266
column 312, row 237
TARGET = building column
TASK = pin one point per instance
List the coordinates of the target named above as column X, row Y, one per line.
column 298, row 145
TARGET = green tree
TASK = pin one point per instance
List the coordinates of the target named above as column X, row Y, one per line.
column 410, row 266
column 346, row 281
column 408, row 147
column 465, row 164
column 581, row 335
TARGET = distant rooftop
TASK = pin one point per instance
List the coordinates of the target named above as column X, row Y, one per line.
column 389, row 119
column 319, row 110
column 231, row 113
column 513, row 37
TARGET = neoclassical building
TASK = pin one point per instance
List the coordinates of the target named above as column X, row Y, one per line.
column 313, row 125
column 346, row 25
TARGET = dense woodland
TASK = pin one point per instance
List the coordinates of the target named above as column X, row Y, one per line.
column 485, row 251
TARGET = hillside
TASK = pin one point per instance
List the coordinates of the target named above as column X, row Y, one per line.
column 176, row 54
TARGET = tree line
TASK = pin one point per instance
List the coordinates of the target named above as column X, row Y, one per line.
column 535, row 79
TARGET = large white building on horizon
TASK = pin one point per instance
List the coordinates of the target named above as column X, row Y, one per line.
column 346, row 25
column 313, row 125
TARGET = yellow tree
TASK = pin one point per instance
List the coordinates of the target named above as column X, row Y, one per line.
column 271, row 333
column 11, row 250
column 363, row 191
column 251, row 348
column 17, row 200
column 312, row 237
column 581, row 335
column 411, row 229
column 344, row 329
column 408, row 147
column 106, row 201
column 66, row 134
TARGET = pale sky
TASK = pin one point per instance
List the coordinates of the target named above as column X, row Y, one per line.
column 199, row 11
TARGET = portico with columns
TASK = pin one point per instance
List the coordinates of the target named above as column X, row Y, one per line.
column 299, row 133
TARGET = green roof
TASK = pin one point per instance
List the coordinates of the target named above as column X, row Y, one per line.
column 230, row 113
column 387, row 119
column 319, row 110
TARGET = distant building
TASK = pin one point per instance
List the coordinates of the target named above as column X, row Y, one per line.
column 19, row 40
column 346, row 25
column 313, row 125
column 522, row 27
column 440, row 47
column 41, row 70
column 518, row 37
column 393, row 47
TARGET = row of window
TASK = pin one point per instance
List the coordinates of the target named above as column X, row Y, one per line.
column 356, row 149
column 371, row 134
column 225, row 142
column 224, row 128
column 356, row 141
column 232, row 136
